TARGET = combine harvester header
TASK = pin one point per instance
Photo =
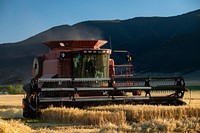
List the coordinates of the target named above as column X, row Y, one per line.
column 79, row 73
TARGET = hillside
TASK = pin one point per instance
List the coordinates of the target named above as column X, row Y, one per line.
column 157, row 44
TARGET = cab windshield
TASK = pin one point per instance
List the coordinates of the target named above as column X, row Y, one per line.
column 90, row 65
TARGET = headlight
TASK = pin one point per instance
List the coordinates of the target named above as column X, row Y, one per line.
column 62, row 55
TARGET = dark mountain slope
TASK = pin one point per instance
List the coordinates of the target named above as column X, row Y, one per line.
column 156, row 39
column 158, row 44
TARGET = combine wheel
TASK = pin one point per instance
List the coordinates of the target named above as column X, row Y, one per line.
column 28, row 110
column 25, row 108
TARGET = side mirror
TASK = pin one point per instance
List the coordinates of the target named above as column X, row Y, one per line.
column 129, row 58
column 62, row 56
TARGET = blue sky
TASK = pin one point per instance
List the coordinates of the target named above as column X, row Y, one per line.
column 21, row 19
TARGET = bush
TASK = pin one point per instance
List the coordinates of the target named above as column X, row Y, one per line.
column 12, row 89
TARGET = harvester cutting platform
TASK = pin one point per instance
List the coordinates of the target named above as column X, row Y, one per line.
column 78, row 73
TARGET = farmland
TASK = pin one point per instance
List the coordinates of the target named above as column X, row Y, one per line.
column 113, row 118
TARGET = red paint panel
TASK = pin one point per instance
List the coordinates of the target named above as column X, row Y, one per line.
column 50, row 68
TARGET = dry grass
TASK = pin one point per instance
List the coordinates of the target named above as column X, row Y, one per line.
column 11, row 106
column 76, row 116
column 157, row 125
column 11, row 101
column 11, row 113
column 115, row 118
column 140, row 113
column 154, row 126
column 121, row 114
column 13, row 126
column 17, row 126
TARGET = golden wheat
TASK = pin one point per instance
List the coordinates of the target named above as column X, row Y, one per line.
column 13, row 126
column 10, row 106
column 82, row 117
column 138, row 113
column 113, row 118
column 10, row 101
column 11, row 113
column 157, row 125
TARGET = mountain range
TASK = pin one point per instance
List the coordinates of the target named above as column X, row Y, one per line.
column 158, row 45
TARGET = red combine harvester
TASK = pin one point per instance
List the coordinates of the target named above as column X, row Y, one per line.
column 78, row 73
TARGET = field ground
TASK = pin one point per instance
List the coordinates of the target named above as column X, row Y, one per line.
column 11, row 101
column 113, row 118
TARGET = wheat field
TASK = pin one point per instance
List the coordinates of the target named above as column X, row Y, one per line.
column 103, row 119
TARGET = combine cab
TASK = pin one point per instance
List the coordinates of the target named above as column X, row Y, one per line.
column 81, row 74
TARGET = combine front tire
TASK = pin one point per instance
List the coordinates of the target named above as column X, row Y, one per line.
column 28, row 110
column 25, row 108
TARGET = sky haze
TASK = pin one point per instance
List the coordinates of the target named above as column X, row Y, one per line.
column 21, row 19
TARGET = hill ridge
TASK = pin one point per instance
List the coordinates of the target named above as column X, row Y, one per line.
column 158, row 44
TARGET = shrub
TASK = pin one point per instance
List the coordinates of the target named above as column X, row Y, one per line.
column 12, row 89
